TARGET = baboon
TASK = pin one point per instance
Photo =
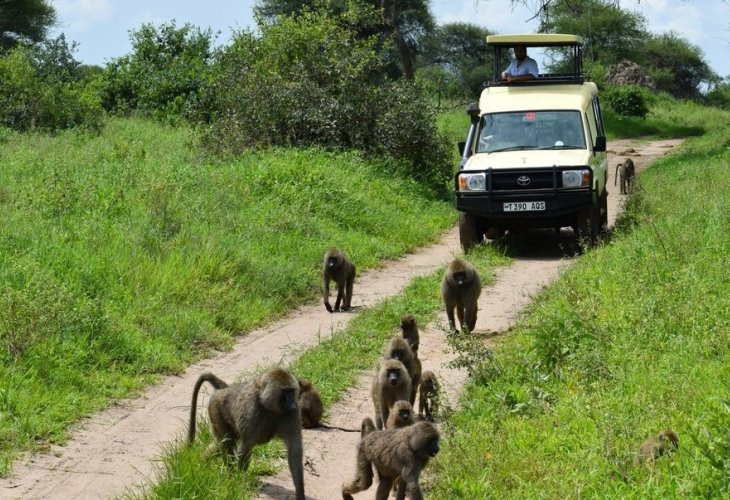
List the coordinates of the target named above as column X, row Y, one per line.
column 410, row 332
column 391, row 384
column 667, row 441
column 395, row 453
column 460, row 289
column 310, row 404
column 311, row 408
column 398, row 348
column 250, row 413
column 428, row 395
column 625, row 174
column 400, row 415
column 338, row 268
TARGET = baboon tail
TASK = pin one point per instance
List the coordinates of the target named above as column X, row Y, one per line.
column 215, row 382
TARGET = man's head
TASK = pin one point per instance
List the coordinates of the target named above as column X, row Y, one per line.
column 520, row 52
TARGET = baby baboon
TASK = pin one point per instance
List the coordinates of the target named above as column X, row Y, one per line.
column 311, row 408
column 400, row 415
column 252, row 413
column 410, row 332
column 428, row 395
column 391, row 384
column 338, row 268
column 398, row 348
column 460, row 289
column 667, row 441
column 625, row 174
column 310, row 404
column 400, row 452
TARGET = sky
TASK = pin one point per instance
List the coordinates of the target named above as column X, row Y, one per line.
column 101, row 27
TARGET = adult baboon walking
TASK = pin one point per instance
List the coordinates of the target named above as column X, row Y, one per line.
column 338, row 268
column 400, row 415
column 398, row 348
column 460, row 289
column 395, row 453
column 625, row 173
column 250, row 413
column 410, row 332
column 391, row 384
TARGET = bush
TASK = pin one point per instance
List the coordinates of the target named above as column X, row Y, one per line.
column 163, row 75
column 628, row 100
column 312, row 81
column 37, row 97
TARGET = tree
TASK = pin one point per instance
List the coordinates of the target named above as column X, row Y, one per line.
column 460, row 50
column 24, row 20
column 404, row 22
column 677, row 66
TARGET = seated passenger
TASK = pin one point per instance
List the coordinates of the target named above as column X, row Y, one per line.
column 522, row 67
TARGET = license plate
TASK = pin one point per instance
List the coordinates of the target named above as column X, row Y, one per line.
column 524, row 206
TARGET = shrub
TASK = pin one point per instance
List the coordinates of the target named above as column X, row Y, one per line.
column 628, row 100
column 313, row 81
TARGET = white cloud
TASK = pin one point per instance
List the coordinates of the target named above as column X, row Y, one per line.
column 80, row 15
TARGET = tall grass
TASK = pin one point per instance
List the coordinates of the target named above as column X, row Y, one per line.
column 126, row 256
column 632, row 340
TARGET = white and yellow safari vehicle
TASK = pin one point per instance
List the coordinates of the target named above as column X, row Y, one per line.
column 535, row 154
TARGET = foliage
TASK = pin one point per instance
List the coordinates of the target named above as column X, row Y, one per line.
column 460, row 51
column 164, row 73
column 310, row 81
column 24, row 21
column 720, row 96
column 610, row 33
column 677, row 66
column 127, row 255
column 39, row 89
column 628, row 100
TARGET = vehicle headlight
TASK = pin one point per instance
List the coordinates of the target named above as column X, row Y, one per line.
column 472, row 182
column 576, row 178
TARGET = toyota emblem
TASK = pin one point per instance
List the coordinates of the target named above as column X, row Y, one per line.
column 523, row 180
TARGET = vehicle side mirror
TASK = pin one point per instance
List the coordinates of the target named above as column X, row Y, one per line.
column 461, row 145
column 600, row 144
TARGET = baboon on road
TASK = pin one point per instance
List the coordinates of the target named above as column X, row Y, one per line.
column 400, row 415
column 428, row 395
column 338, row 268
column 625, row 174
column 666, row 441
column 398, row 348
column 395, row 453
column 310, row 404
column 410, row 332
column 392, row 383
column 460, row 290
column 250, row 413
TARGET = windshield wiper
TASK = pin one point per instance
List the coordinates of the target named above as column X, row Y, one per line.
column 512, row 148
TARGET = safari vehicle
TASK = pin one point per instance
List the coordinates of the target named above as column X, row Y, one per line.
column 535, row 154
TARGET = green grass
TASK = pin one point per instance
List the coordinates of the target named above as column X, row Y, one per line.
column 632, row 340
column 127, row 255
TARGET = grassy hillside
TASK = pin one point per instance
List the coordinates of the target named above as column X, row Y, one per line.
column 635, row 338
column 127, row 255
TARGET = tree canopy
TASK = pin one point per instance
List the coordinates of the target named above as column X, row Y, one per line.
column 24, row 20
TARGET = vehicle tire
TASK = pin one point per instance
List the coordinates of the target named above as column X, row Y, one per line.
column 471, row 230
column 603, row 225
column 588, row 226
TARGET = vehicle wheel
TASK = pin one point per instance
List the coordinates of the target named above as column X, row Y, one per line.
column 603, row 225
column 471, row 230
column 588, row 225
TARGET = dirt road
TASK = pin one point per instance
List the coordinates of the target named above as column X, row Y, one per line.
column 115, row 451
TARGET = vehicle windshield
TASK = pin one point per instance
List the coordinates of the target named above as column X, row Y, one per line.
column 530, row 130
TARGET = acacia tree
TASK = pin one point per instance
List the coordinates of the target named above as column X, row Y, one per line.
column 24, row 20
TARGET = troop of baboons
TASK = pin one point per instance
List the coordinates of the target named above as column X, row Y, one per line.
column 397, row 442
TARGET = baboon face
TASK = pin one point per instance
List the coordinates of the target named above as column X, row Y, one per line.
column 425, row 439
column 460, row 278
column 332, row 262
column 280, row 392
column 393, row 376
column 404, row 414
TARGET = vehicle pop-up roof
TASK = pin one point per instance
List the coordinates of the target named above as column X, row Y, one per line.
column 570, row 45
